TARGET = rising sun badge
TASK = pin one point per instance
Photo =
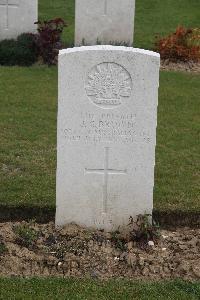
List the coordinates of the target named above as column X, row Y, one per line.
column 108, row 84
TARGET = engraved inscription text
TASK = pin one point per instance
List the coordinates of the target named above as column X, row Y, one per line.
column 106, row 127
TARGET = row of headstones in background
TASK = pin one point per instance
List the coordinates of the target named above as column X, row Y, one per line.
column 107, row 117
column 104, row 21
column 16, row 17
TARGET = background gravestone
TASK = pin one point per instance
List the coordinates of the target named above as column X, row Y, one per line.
column 17, row 16
column 107, row 119
column 104, row 21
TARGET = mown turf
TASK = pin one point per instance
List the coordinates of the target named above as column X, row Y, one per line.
column 28, row 139
column 152, row 17
column 73, row 289
column 28, row 135
column 177, row 174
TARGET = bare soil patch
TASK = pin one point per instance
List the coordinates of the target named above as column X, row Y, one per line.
column 80, row 252
column 190, row 66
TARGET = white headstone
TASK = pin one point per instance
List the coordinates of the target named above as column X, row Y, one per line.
column 104, row 21
column 107, row 116
column 16, row 17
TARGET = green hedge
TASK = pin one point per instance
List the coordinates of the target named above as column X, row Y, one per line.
column 21, row 52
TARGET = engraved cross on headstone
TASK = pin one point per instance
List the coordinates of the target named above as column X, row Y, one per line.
column 8, row 4
column 106, row 172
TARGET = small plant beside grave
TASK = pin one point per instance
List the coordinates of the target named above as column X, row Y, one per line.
column 26, row 235
column 113, row 43
column 48, row 40
column 3, row 248
column 142, row 232
column 118, row 240
column 182, row 45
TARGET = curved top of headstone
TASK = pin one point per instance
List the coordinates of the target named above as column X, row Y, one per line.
column 109, row 48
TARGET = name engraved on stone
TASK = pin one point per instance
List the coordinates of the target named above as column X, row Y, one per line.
column 106, row 172
column 108, row 84
column 107, row 127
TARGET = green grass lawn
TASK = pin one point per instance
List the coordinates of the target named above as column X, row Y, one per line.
column 153, row 17
column 28, row 117
column 28, row 139
column 73, row 289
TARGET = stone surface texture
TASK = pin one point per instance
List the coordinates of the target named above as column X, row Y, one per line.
column 16, row 17
column 104, row 21
column 107, row 117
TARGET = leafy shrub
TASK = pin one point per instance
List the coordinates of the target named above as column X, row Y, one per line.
column 142, row 230
column 49, row 39
column 22, row 52
column 119, row 240
column 8, row 52
column 3, row 248
column 182, row 45
column 26, row 235
column 27, row 48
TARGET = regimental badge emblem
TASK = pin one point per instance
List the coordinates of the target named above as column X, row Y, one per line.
column 108, row 85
